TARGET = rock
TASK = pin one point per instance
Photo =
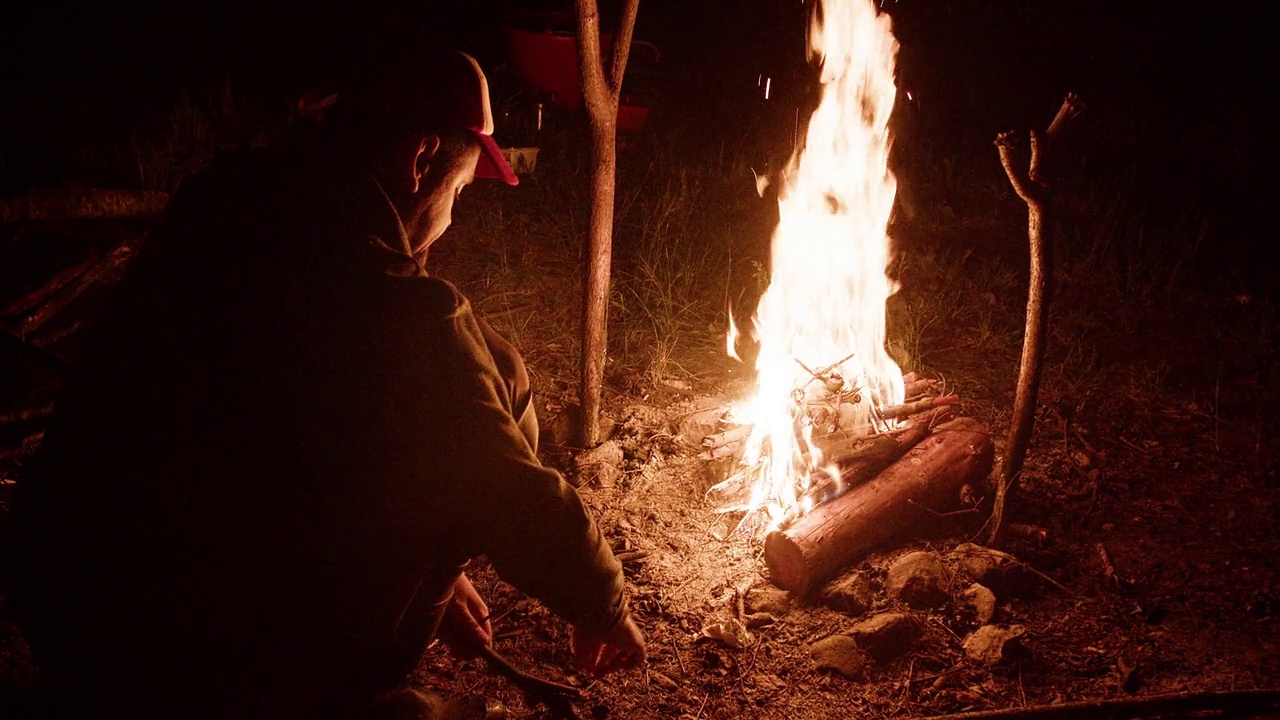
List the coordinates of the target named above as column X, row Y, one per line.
column 992, row 645
column 851, row 595
column 758, row 620
column 887, row 635
column 768, row 600
column 839, row 653
column 697, row 425
column 601, row 464
column 978, row 604
column 918, row 579
column 564, row 428
column 768, row 682
column 993, row 569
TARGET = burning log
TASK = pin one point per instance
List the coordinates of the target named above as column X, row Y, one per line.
column 820, row 544
column 61, row 300
column 844, row 472
column 900, row 411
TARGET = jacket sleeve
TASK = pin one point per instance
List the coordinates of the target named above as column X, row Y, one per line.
column 530, row 523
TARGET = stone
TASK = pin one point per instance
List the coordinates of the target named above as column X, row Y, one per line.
column 979, row 603
column 993, row 645
column 769, row 600
column 887, row 635
column 851, row 595
column 839, row 653
column 601, row 464
column 998, row 571
column 919, row 580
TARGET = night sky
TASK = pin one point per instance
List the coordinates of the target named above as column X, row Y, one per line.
column 1179, row 93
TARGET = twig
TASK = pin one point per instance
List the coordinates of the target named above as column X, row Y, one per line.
column 559, row 698
column 1227, row 704
column 67, row 295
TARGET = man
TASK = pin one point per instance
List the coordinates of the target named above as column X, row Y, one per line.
column 283, row 440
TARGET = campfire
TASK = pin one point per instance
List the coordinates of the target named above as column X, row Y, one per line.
column 832, row 412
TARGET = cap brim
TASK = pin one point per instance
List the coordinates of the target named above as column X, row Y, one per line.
column 492, row 164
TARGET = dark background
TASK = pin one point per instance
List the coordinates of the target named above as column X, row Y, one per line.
column 1179, row 93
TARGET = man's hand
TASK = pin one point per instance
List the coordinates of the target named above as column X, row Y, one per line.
column 465, row 626
column 618, row 648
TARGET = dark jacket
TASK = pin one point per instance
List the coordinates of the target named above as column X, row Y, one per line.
column 270, row 446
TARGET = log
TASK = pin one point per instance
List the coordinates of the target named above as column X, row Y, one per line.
column 76, row 201
column 34, row 297
column 87, row 279
column 28, row 414
column 817, row 546
column 841, row 473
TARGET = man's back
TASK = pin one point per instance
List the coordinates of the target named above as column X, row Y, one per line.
column 231, row 466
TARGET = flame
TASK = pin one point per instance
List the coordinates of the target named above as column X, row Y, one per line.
column 821, row 322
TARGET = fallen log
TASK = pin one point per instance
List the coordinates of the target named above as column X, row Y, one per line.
column 87, row 279
column 32, row 298
column 71, row 202
column 24, row 415
column 817, row 546
column 894, row 412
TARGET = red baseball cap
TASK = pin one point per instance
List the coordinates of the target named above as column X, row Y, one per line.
column 474, row 101
column 433, row 90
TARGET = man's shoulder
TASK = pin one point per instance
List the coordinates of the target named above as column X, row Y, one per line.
column 431, row 297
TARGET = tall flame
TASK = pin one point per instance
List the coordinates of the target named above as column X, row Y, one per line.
column 821, row 322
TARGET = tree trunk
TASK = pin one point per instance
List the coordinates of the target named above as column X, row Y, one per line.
column 821, row 544
column 75, row 201
column 601, row 95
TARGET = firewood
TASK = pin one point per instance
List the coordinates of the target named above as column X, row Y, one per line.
column 24, row 415
column 817, row 546
column 32, row 298
column 843, row 471
column 894, row 412
column 76, row 201
column 59, row 302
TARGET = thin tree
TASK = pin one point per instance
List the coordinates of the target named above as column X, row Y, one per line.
column 602, row 93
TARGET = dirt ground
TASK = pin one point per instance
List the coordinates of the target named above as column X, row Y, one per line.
column 1152, row 475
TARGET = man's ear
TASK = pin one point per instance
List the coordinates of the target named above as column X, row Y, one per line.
column 427, row 149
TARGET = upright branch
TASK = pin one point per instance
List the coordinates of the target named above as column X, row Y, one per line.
column 1035, row 190
column 601, row 94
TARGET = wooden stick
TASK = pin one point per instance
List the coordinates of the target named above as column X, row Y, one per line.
column 49, row 360
column 559, row 698
column 1033, row 189
column 59, row 302
column 71, row 202
column 1226, row 704
column 900, row 411
column 34, row 297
